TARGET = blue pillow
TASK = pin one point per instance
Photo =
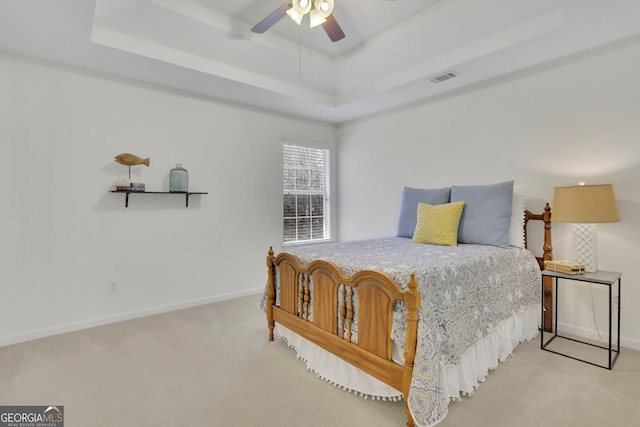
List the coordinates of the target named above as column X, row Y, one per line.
column 409, row 208
column 486, row 217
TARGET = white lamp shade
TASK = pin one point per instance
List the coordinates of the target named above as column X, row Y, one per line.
column 324, row 7
column 301, row 6
column 315, row 19
column 295, row 16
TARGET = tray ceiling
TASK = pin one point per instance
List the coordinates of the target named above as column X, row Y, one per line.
column 391, row 51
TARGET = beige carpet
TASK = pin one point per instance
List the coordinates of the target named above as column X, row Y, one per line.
column 213, row 366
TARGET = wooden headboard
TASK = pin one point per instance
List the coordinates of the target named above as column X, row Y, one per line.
column 547, row 247
column 547, row 255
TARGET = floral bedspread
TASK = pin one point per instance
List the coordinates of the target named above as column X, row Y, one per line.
column 467, row 290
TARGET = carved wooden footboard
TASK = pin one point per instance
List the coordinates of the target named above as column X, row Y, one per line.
column 316, row 301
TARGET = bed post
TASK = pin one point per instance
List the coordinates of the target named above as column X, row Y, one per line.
column 547, row 248
column 271, row 292
column 547, row 323
column 412, row 302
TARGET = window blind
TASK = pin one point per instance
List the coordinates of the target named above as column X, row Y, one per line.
column 306, row 193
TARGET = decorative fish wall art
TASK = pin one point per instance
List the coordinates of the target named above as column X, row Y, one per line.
column 132, row 160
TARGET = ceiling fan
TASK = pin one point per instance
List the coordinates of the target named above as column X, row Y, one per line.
column 320, row 13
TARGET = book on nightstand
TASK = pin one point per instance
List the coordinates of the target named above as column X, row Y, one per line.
column 564, row 267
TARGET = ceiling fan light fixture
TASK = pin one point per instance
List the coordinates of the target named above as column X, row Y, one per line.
column 295, row 16
column 320, row 13
column 324, row 7
column 316, row 18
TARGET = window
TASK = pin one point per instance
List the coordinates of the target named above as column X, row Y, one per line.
column 305, row 179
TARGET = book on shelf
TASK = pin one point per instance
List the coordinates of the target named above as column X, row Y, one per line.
column 133, row 187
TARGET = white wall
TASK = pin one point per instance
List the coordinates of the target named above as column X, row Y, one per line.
column 574, row 120
column 64, row 235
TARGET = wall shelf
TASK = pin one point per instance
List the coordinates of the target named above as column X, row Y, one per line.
column 185, row 193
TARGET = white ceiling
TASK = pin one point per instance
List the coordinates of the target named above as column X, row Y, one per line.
column 390, row 51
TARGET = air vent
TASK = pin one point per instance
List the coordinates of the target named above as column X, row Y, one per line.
column 444, row 77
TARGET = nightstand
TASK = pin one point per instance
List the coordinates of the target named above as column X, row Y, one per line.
column 603, row 278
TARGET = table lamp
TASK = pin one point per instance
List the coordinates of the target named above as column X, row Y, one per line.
column 584, row 206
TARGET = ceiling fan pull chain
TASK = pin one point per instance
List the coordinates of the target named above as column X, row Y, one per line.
column 299, row 52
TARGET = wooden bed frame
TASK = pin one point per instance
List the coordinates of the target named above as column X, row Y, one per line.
column 329, row 326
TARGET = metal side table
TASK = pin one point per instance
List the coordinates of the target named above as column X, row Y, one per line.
column 604, row 278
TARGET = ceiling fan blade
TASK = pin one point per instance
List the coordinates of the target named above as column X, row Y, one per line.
column 272, row 19
column 332, row 29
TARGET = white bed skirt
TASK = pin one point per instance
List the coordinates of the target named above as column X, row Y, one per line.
column 462, row 378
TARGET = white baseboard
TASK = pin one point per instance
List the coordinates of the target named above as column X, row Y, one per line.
column 591, row 334
column 71, row 327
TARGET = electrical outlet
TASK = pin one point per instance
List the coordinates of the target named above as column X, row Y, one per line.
column 112, row 287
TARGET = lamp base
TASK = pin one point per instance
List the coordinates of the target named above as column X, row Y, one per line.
column 585, row 246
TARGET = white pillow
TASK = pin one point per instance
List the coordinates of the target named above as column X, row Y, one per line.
column 516, row 228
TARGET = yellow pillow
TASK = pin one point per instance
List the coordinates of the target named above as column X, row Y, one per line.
column 438, row 224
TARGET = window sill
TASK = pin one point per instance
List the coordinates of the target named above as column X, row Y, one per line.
column 307, row 242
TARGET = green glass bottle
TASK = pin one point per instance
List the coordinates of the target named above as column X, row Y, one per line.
column 178, row 179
